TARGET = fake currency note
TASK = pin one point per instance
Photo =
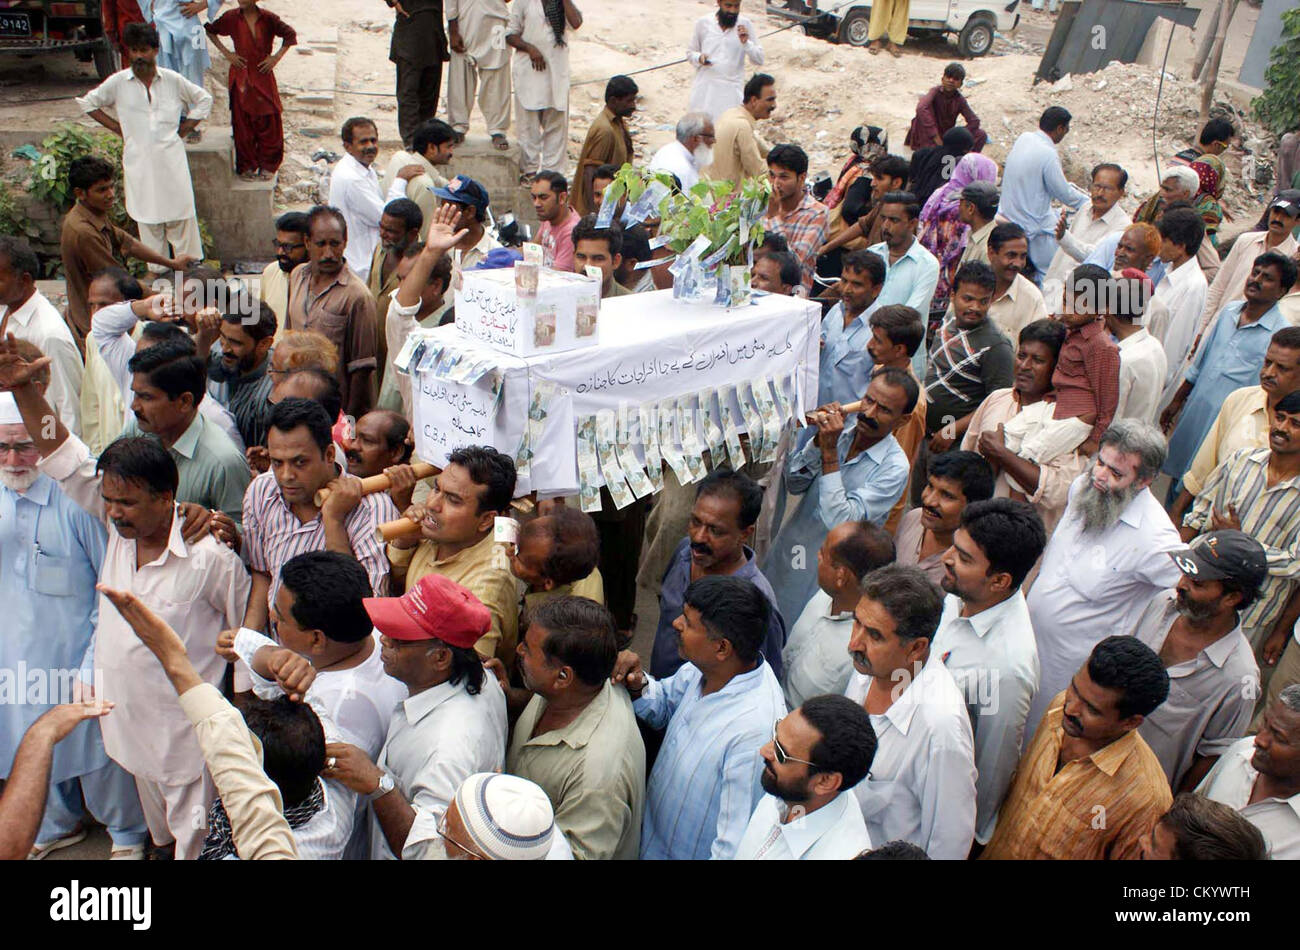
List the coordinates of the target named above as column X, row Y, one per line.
column 649, row 435
column 784, row 409
column 632, row 469
column 429, row 359
column 588, row 492
column 713, row 431
column 666, row 412
column 692, row 448
column 615, row 480
column 772, row 425
column 605, row 216
column 402, row 361
column 798, row 409
column 753, row 421
column 647, row 206
column 731, row 430
column 539, row 406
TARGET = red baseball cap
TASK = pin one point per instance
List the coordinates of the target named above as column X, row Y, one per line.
column 436, row 608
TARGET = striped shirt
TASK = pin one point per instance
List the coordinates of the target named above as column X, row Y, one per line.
column 965, row 366
column 1270, row 515
column 1086, row 380
column 273, row 534
column 705, row 782
column 1093, row 808
column 805, row 229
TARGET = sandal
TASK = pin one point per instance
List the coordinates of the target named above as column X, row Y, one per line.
column 127, row 852
column 40, row 851
column 501, row 142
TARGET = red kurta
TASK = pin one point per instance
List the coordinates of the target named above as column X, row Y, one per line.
column 254, row 97
column 116, row 14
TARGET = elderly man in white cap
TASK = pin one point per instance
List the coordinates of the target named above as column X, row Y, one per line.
column 54, row 550
column 497, row 817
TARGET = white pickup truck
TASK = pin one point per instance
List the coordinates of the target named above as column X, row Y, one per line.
column 845, row 21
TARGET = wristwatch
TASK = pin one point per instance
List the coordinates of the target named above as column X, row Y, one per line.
column 386, row 785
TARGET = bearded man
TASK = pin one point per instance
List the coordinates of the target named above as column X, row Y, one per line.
column 1106, row 559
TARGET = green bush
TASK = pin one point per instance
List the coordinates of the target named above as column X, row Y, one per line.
column 49, row 175
column 13, row 220
column 1279, row 106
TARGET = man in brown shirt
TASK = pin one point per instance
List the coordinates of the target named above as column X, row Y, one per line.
column 608, row 140
column 1088, row 786
column 325, row 296
column 90, row 241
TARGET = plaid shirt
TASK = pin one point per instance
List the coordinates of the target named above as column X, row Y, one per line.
column 805, row 229
column 1087, row 376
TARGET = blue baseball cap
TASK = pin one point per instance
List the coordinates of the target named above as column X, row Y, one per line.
column 463, row 190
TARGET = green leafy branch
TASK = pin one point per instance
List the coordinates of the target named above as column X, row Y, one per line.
column 1279, row 105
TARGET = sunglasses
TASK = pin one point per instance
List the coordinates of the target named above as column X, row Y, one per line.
column 442, row 833
column 782, row 757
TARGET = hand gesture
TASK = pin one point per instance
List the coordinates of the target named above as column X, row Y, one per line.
column 16, row 372
column 345, row 495
column 235, row 59
column 293, row 672
column 498, row 669
column 196, row 521
column 348, row 765
column 742, row 34
column 443, row 236
column 258, row 459
column 224, row 530
column 208, row 320
column 226, row 645
column 991, row 442
column 57, row 723
column 1225, row 522
column 829, row 420
column 628, row 671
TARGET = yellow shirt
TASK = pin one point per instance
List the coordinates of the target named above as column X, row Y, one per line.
column 592, row 587
column 481, row 569
column 274, row 292
column 102, row 411
column 1242, row 423
column 1094, row 808
column 738, row 153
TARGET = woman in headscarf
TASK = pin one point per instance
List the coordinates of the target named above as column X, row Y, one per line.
column 942, row 232
column 851, row 196
column 931, row 167
column 1213, row 176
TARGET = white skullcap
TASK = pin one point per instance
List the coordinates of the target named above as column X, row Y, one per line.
column 9, row 414
column 508, row 818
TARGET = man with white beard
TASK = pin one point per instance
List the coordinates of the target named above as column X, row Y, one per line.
column 690, row 152
column 1106, row 559
column 53, row 552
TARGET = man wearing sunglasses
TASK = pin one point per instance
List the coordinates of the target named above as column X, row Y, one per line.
column 817, row 755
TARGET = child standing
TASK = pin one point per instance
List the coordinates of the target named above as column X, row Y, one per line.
column 254, row 97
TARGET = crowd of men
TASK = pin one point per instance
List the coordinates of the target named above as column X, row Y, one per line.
column 1035, row 553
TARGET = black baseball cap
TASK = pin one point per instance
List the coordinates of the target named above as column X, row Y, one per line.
column 1224, row 555
column 1288, row 200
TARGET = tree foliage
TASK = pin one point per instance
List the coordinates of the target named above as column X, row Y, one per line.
column 1279, row 106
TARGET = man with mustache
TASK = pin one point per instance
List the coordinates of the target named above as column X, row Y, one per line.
column 148, row 102
column 843, row 474
column 290, row 246
column 1213, row 678
column 1137, row 246
column 817, row 755
column 954, row 480
column 1016, row 301
column 921, row 787
column 1105, row 561
column 1230, row 357
column 1257, row 490
column 1259, row 776
column 738, row 152
column 237, row 370
column 1076, row 242
column 197, row 584
column 1089, row 787
column 720, row 45
column 986, row 641
column 48, row 589
column 690, row 151
column 577, row 737
column 727, row 506
column 355, row 191
column 282, row 519
column 328, row 296
column 1245, row 417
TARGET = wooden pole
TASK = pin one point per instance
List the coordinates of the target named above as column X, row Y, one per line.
column 847, row 408
column 1211, row 77
column 399, row 530
column 378, row 483
column 1206, row 41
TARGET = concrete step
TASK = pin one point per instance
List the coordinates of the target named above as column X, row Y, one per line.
column 239, row 214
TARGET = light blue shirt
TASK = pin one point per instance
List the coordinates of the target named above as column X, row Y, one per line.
column 184, row 42
column 845, row 363
column 1031, row 178
column 1103, row 255
column 51, row 551
column 910, row 280
column 863, row 488
column 705, row 782
column 1230, row 358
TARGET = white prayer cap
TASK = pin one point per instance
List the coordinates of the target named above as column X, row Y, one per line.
column 508, row 818
column 9, row 414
